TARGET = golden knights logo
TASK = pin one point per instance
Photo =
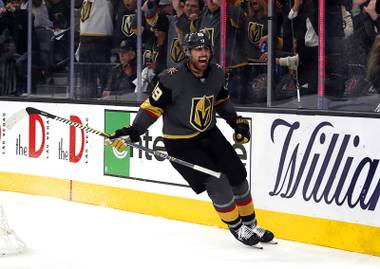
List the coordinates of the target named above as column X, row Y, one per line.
column 202, row 112
column 150, row 56
column 255, row 32
column 85, row 11
column 176, row 51
column 147, row 57
column 126, row 25
column 210, row 33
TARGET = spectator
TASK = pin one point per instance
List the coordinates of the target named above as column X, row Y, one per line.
column 124, row 19
column 44, row 33
column 59, row 13
column 8, row 76
column 126, row 24
column 365, row 20
column 155, row 56
column 188, row 15
column 210, row 24
column 373, row 68
column 335, row 69
column 255, row 46
column 257, row 29
column 236, row 61
column 208, row 21
column 122, row 76
column 303, row 17
column 165, row 7
column 96, row 29
column 15, row 19
column 14, row 24
column 174, row 53
column 159, row 47
column 193, row 8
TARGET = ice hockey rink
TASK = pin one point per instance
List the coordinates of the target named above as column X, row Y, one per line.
column 67, row 235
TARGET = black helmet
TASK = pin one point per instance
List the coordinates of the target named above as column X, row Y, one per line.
column 196, row 40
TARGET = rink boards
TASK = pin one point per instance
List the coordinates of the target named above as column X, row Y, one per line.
column 314, row 179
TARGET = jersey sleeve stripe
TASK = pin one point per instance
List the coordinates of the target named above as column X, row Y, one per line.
column 221, row 101
column 170, row 136
column 153, row 111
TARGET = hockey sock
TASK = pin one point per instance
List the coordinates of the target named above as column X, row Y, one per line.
column 229, row 214
column 243, row 200
column 223, row 200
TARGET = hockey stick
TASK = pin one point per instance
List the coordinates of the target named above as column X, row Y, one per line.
column 18, row 116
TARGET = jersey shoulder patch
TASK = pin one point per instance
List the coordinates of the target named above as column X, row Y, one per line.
column 171, row 71
column 218, row 72
column 219, row 66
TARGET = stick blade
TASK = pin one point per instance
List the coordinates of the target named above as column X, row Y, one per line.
column 32, row 110
column 15, row 118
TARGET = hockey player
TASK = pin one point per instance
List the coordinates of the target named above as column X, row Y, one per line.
column 188, row 98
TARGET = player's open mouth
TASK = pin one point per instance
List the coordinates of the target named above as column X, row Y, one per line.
column 203, row 59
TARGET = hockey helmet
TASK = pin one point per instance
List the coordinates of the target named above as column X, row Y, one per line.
column 196, row 40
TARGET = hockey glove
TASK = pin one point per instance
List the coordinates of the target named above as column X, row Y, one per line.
column 130, row 131
column 117, row 143
column 242, row 134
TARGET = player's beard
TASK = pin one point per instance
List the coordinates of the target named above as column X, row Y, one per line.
column 198, row 65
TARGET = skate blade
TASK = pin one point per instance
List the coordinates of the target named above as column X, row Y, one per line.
column 272, row 242
column 258, row 246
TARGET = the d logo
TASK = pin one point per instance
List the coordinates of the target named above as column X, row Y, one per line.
column 201, row 112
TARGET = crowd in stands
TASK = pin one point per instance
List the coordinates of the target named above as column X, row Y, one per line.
column 106, row 53
column 50, row 19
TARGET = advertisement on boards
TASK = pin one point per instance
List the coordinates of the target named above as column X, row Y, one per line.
column 44, row 146
column 116, row 163
column 317, row 166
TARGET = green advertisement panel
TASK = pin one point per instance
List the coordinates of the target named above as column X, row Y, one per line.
column 116, row 163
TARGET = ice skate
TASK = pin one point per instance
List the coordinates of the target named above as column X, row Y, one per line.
column 265, row 236
column 245, row 235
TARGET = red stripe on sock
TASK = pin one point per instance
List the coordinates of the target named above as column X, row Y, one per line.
column 226, row 210
column 245, row 202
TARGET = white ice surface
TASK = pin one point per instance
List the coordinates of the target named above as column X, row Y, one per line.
column 68, row 235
